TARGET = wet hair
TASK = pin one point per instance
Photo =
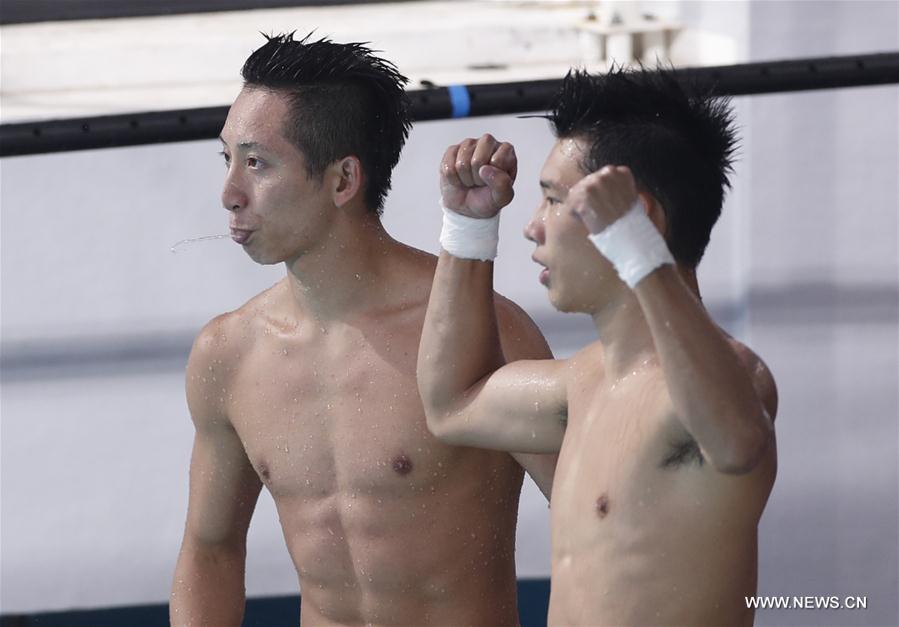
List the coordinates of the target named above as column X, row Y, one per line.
column 678, row 141
column 343, row 100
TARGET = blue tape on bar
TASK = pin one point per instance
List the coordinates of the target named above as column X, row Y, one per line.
column 460, row 100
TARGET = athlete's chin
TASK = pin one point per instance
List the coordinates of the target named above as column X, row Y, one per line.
column 566, row 303
column 559, row 302
column 266, row 255
column 571, row 308
column 262, row 257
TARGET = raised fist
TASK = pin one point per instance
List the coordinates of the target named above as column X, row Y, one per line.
column 476, row 176
column 602, row 197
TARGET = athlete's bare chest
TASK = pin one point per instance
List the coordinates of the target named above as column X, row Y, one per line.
column 334, row 416
column 610, row 471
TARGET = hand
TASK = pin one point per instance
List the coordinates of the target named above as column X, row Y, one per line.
column 602, row 197
column 476, row 177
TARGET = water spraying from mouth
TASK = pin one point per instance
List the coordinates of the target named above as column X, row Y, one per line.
column 182, row 244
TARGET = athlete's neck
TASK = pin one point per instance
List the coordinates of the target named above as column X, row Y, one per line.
column 623, row 331
column 343, row 275
column 688, row 275
column 624, row 335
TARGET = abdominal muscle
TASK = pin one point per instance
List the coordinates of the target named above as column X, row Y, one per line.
column 411, row 553
column 660, row 573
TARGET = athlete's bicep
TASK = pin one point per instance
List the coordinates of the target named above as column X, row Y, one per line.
column 224, row 486
column 519, row 408
column 521, row 339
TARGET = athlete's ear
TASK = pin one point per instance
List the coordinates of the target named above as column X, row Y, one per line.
column 345, row 178
column 654, row 211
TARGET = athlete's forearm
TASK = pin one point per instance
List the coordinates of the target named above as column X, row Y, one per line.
column 208, row 588
column 460, row 342
column 711, row 389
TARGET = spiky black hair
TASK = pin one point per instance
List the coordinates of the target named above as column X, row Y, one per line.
column 344, row 101
column 676, row 138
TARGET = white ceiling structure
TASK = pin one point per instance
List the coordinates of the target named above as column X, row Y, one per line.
column 54, row 70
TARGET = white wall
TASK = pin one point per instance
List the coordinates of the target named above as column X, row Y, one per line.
column 803, row 265
column 824, row 306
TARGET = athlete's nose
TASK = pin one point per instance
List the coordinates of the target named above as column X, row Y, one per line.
column 233, row 197
column 535, row 229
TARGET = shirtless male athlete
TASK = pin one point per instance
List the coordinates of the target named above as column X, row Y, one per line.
column 664, row 424
column 309, row 388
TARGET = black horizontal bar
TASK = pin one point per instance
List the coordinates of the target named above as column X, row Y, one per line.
column 435, row 103
column 30, row 11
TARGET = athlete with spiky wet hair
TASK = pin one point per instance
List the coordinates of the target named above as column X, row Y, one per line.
column 309, row 388
column 343, row 100
column 664, row 425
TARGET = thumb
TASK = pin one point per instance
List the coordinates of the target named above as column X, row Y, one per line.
column 500, row 184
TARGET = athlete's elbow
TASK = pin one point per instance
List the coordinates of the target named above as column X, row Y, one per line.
column 435, row 425
column 438, row 422
column 744, row 452
column 434, row 404
column 448, row 426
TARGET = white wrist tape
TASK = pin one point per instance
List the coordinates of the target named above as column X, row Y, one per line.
column 469, row 238
column 633, row 245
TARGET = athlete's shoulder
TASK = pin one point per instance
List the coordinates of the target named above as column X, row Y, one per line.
column 520, row 336
column 762, row 379
column 587, row 364
column 225, row 337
